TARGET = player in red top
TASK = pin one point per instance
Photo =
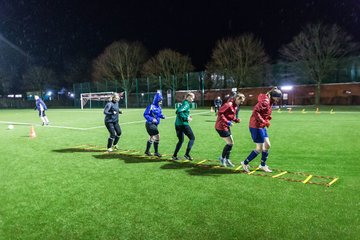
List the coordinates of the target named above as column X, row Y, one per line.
column 259, row 121
column 226, row 116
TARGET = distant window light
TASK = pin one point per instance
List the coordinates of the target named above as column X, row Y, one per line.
column 250, row 95
column 311, row 93
column 10, row 95
column 18, row 95
column 286, row 88
column 347, row 91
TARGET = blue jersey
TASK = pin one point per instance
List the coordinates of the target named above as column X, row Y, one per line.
column 154, row 111
column 40, row 105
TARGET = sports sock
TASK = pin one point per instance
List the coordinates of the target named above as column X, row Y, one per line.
column 264, row 156
column 251, row 156
column 148, row 145
column 156, row 146
column 110, row 142
column 228, row 151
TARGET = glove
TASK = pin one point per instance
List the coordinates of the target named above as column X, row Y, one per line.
column 237, row 120
column 115, row 112
column 267, row 124
column 154, row 120
column 190, row 118
column 229, row 123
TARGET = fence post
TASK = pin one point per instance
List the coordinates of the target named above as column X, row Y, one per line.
column 148, row 89
column 187, row 81
column 137, row 92
column 160, row 82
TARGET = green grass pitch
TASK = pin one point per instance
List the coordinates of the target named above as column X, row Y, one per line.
column 56, row 187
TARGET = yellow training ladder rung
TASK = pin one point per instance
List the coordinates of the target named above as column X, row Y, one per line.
column 238, row 168
column 280, row 174
column 201, row 162
column 330, row 183
column 307, row 179
column 253, row 171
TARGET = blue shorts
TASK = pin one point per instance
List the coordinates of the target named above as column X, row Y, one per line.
column 258, row 134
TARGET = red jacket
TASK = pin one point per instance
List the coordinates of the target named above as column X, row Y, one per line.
column 226, row 113
column 261, row 114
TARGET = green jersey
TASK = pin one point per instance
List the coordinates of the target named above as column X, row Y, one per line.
column 183, row 113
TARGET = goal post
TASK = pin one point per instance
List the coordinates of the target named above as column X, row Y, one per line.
column 96, row 96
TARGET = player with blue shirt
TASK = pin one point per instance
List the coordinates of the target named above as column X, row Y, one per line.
column 153, row 114
column 41, row 107
column 259, row 121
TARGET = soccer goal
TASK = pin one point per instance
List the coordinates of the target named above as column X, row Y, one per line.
column 97, row 96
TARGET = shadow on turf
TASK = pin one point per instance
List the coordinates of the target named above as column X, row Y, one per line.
column 128, row 158
column 192, row 168
column 199, row 169
column 73, row 150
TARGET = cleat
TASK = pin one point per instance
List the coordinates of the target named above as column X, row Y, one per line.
column 265, row 168
column 245, row 167
column 188, row 157
column 222, row 161
column 148, row 154
column 115, row 147
column 157, row 155
column 229, row 163
column 110, row 150
column 175, row 158
column 43, row 124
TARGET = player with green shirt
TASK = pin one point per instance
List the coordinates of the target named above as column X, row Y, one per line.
column 182, row 126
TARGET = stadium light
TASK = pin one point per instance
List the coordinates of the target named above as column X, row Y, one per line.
column 287, row 88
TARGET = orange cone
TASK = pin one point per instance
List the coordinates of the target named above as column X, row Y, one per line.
column 32, row 132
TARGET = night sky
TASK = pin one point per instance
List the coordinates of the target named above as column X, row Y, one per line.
column 58, row 30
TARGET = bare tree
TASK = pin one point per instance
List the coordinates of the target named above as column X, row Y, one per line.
column 121, row 61
column 38, row 78
column 169, row 65
column 241, row 59
column 317, row 50
column 76, row 70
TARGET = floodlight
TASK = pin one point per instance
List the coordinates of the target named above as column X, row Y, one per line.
column 287, row 88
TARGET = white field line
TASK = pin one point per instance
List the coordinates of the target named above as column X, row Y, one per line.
column 84, row 129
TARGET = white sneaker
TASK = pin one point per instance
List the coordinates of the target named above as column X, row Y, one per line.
column 110, row 150
column 229, row 163
column 265, row 168
column 222, row 161
column 245, row 167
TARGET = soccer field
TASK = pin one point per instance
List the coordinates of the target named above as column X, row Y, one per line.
column 62, row 185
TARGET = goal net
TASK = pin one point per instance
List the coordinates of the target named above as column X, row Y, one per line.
column 98, row 96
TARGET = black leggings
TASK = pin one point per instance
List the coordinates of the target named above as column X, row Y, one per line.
column 115, row 132
column 180, row 131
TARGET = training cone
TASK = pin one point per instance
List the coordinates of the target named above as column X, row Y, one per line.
column 303, row 111
column 317, row 110
column 332, row 111
column 32, row 132
column 211, row 109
